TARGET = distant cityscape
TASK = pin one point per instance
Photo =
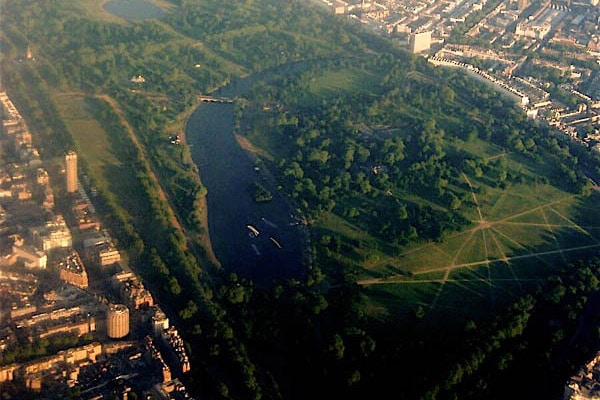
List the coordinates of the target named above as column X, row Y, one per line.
column 62, row 276
column 509, row 42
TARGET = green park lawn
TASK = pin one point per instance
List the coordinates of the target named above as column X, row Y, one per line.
column 108, row 170
column 492, row 263
column 334, row 82
column 90, row 138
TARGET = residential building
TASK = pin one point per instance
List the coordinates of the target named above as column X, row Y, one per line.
column 71, row 171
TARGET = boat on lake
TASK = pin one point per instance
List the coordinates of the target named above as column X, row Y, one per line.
column 253, row 230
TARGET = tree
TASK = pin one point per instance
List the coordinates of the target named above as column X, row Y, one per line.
column 402, row 212
column 337, row 348
column 189, row 311
column 419, row 312
column 174, row 287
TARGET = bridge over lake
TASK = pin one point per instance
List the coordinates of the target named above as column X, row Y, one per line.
column 212, row 99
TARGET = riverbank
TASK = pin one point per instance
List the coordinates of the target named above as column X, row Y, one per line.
column 227, row 171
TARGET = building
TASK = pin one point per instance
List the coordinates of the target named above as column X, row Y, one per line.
column 584, row 384
column 72, row 270
column 31, row 257
column 12, row 121
column 175, row 353
column 419, row 42
column 56, row 365
column 117, row 321
column 42, row 177
column 71, row 171
column 132, row 290
column 160, row 321
column 154, row 356
column 339, row 7
column 80, row 327
column 522, row 4
column 534, row 31
column 106, row 254
column 54, row 234
column 7, row 372
column 85, row 218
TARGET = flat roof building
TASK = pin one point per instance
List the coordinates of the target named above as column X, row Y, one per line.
column 419, row 42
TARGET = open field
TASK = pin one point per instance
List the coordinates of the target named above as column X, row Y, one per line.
column 102, row 152
column 90, row 138
column 346, row 80
column 498, row 259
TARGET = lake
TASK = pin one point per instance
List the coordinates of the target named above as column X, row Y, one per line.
column 228, row 171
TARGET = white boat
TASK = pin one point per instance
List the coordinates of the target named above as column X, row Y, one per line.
column 252, row 229
column 275, row 242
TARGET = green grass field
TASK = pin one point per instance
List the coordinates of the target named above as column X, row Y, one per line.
column 108, row 172
column 332, row 83
column 495, row 261
column 90, row 138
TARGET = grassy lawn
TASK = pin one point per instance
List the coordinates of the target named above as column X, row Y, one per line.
column 96, row 149
column 399, row 301
column 274, row 145
column 90, row 138
column 529, row 231
column 333, row 82
column 336, row 224
column 478, row 148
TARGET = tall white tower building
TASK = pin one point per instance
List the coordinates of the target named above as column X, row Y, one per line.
column 71, row 171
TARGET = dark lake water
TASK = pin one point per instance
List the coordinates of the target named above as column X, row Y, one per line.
column 227, row 171
column 133, row 9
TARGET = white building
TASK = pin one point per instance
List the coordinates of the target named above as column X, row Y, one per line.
column 419, row 41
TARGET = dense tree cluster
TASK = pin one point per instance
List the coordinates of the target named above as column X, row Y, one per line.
column 534, row 345
column 357, row 154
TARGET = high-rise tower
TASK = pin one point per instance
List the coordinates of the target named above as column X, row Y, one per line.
column 419, row 41
column 71, row 171
column 117, row 321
